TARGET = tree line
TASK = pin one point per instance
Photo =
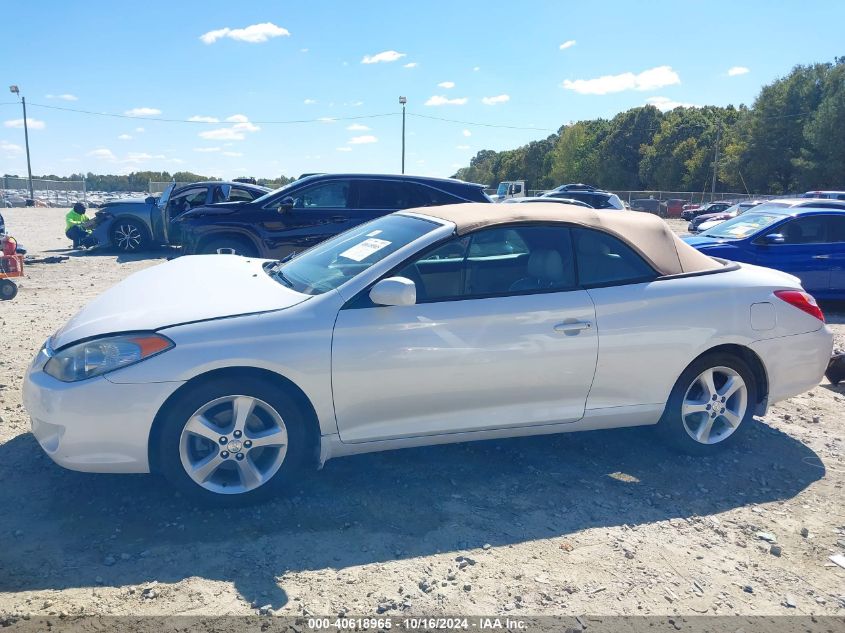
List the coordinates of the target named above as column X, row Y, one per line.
column 791, row 139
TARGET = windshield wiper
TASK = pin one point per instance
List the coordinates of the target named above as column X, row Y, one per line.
column 276, row 271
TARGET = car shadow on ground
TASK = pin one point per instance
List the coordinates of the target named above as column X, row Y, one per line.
column 63, row 529
column 162, row 253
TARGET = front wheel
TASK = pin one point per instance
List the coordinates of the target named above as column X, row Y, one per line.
column 228, row 444
column 710, row 406
column 128, row 236
column 8, row 290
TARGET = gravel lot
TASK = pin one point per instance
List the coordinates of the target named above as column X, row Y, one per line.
column 605, row 523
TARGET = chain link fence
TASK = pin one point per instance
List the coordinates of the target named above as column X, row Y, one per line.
column 14, row 192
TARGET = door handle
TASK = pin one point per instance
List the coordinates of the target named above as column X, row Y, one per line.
column 821, row 256
column 573, row 326
column 338, row 218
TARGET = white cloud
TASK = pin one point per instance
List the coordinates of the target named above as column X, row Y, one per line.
column 363, row 140
column 142, row 112
column 102, row 154
column 206, row 150
column 647, row 80
column 242, row 123
column 204, row 119
column 737, row 70
column 303, row 50
column 447, row 84
column 326, row 119
column 356, row 104
column 411, row 65
column 343, row 149
column 253, row 34
column 222, row 134
column 32, row 124
column 495, row 100
column 10, row 147
column 141, row 157
column 466, row 133
column 384, row 56
column 475, row 69
column 139, row 130
column 567, row 44
column 125, row 137
column 664, row 104
column 232, row 153
column 310, row 101
column 64, row 97
column 461, row 146
column 357, row 127
column 439, row 100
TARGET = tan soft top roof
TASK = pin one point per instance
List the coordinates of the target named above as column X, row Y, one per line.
column 644, row 232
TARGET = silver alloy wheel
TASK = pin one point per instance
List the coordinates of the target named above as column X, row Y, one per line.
column 127, row 237
column 714, row 405
column 233, row 444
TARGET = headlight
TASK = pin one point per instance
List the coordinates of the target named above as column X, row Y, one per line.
column 100, row 356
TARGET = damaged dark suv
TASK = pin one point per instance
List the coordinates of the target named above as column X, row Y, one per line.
column 312, row 209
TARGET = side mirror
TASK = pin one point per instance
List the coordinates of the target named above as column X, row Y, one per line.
column 773, row 238
column 150, row 200
column 394, row 291
column 286, row 205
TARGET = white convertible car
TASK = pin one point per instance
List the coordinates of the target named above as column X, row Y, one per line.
column 422, row 327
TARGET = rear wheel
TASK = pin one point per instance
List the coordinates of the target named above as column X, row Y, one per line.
column 710, row 405
column 227, row 444
column 229, row 245
column 8, row 290
column 128, row 236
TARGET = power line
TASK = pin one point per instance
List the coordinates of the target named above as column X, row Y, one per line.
column 509, row 127
column 166, row 120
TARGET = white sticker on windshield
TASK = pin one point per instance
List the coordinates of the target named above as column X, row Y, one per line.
column 374, row 233
column 362, row 251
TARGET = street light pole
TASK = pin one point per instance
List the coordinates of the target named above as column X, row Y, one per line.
column 403, row 101
column 16, row 90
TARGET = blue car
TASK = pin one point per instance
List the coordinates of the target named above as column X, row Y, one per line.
column 808, row 242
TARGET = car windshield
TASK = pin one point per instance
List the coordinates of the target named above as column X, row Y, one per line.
column 336, row 261
column 165, row 196
column 743, row 225
column 273, row 193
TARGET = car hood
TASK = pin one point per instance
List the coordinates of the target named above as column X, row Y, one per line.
column 184, row 290
column 701, row 242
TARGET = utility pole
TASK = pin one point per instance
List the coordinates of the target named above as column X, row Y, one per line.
column 716, row 161
column 15, row 90
column 403, row 101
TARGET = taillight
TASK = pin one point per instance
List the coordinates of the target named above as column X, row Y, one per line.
column 801, row 300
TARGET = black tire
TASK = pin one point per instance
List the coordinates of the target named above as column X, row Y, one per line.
column 169, row 458
column 8, row 290
column 235, row 245
column 128, row 235
column 672, row 427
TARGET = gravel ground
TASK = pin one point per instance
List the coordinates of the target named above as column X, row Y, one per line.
column 605, row 523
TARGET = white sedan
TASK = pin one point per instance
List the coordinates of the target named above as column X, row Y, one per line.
column 422, row 327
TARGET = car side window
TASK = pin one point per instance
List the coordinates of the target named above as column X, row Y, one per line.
column 333, row 194
column 383, row 194
column 605, row 259
column 495, row 262
column 836, row 228
column 241, row 195
column 187, row 200
column 806, row 230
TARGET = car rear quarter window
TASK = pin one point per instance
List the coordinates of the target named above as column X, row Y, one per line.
column 383, row 194
column 603, row 259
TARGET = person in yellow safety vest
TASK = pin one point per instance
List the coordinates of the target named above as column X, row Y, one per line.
column 74, row 230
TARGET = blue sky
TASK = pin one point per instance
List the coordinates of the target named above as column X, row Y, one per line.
column 529, row 65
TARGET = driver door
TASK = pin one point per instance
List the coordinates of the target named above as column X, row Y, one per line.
column 500, row 338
